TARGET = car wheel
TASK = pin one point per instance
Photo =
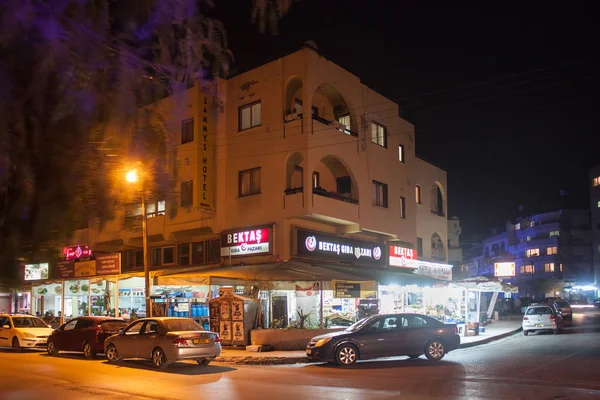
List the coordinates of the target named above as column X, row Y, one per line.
column 112, row 354
column 88, row 351
column 203, row 361
column 414, row 356
column 525, row 333
column 52, row 349
column 16, row 345
column 435, row 350
column 159, row 359
column 346, row 355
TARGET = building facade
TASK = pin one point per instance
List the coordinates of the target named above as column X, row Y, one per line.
column 289, row 167
column 455, row 252
column 548, row 252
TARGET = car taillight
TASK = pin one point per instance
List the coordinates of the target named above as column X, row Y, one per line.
column 525, row 318
column 180, row 342
column 455, row 329
column 217, row 339
column 553, row 316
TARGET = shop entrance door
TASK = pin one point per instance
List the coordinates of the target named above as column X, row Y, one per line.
column 280, row 310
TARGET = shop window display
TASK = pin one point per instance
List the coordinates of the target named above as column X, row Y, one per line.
column 103, row 297
column 76, row 298
column 48, row 301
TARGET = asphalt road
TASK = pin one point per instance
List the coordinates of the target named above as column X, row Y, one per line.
column 540, row 366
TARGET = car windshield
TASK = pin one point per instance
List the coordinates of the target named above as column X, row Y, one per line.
column 177, row 325
column 357, row 326
column 28, row 322
column 539, row 310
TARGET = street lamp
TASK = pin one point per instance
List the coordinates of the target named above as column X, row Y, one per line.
column 132, row 177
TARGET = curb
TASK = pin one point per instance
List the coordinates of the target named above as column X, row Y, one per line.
column 262, row 360
column 491, row 339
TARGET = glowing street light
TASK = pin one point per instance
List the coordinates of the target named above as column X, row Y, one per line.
column 132, row 177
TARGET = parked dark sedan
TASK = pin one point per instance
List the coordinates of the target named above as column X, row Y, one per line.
column 386, row 336
column 84, row 334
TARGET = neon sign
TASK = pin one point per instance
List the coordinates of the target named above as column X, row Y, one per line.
column 77, row 251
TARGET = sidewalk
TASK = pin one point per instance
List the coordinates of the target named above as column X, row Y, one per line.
column 494, row 331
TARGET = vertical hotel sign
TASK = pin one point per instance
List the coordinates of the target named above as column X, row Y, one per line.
column 205, row 185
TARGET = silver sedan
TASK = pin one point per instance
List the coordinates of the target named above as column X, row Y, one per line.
column 163, row 340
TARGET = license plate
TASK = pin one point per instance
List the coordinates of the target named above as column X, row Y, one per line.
column 200, row 341
column 308, row 352
column 539, row 325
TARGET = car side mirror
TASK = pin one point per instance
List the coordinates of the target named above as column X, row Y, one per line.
column 121, row 332
column 5, row 326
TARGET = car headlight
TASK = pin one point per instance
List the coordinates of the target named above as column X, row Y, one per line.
column 29, row 335
column 321, row 342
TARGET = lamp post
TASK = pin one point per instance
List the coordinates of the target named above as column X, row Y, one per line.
column 132, row 177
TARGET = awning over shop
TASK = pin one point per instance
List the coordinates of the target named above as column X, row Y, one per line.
column 189, row 234
column 483, row 284
column 235, row 275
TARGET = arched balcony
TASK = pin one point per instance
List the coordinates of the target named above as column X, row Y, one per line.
column 294, row 174
column 293, row 98
column 330, row 108
column 437, row 200
column 438, row 252
column 331, row 178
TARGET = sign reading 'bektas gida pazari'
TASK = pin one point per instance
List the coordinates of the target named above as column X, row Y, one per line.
column 322, row 245
column 254, row 241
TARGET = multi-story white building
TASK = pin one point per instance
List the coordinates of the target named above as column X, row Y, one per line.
column 289, row 167
column 595, row 217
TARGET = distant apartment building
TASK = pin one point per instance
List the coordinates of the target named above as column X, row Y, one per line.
column 455, row 252
column 542, row 246
column 595, row 218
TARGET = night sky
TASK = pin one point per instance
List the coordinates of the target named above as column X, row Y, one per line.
column 505, row 99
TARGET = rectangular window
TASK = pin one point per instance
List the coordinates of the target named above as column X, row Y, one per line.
column 380, row 194
column 528, row 238
column 250, row 116
column 419, row 245
column 184, row 254
column 213, row 251
column 418, row 194
column 378, row 134
column 168, row 255
column 401, row 153
column 187, row 194
column 249, row 182
column 316, row 180
column 549, row 267
column 527, row 269
column 561, row 267
column 532, row 224
column 187, row 131
column 198, row 253
column 345, row 120
column 554, row 233
column 518, row 226
column 155, row 208
column 156, row 255
column 552, row 250
column 402, row 207
column 344, row 185
column 533, row 252
column 596, row 181
column 598, row 203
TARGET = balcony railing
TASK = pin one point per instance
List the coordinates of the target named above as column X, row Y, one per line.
column 438, row 213
column 333, row 195
column 335, row 125
column 293, row 191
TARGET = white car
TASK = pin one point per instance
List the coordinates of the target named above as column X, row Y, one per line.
column 23, row 332
column 542, row 317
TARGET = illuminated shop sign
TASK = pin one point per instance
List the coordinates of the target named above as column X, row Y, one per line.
column 401, row 256
column 34, row 272
column 322, row 245
column 77, row 251
column 246, row 242
column 504, row 269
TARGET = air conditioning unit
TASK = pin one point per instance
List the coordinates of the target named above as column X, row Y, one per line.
column 291, row 116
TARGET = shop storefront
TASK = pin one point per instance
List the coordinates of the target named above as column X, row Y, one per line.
column 77, row 288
